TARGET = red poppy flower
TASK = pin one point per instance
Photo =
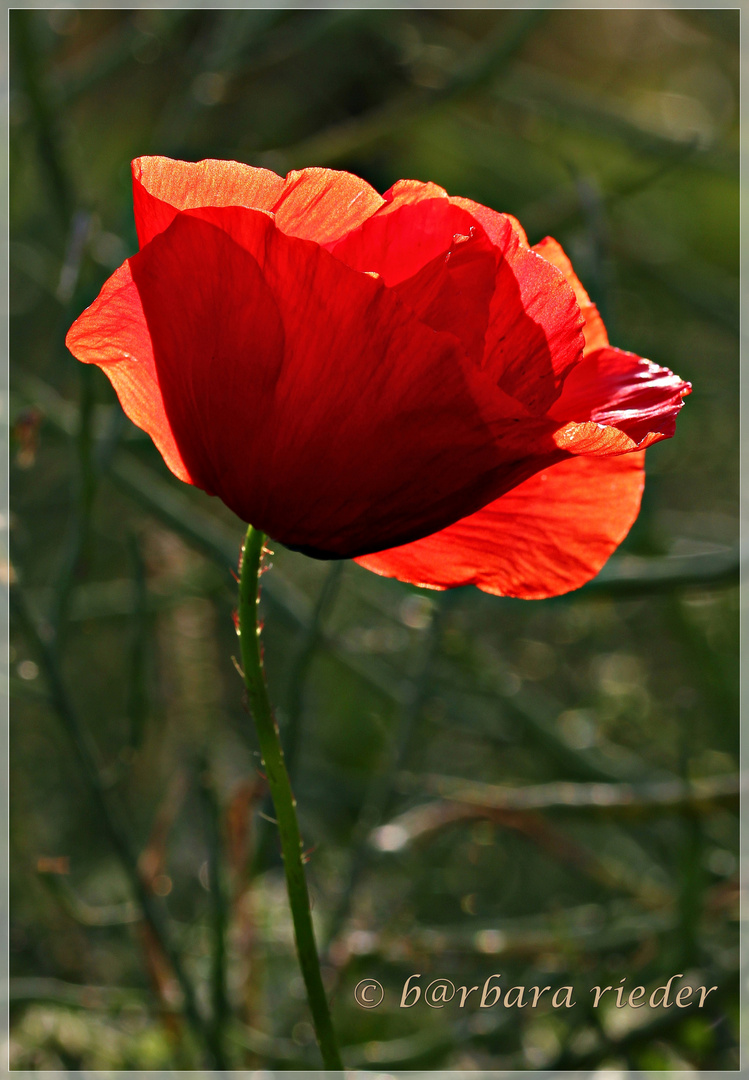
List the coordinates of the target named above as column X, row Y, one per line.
column 396, row 378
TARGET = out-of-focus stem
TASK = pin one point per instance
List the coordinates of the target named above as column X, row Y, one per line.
column 281, row 793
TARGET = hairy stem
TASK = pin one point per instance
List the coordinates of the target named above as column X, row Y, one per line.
column 283, row 798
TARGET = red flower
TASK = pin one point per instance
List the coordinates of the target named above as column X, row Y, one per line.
column 400, row 379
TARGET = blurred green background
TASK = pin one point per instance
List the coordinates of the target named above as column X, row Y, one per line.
column 463, row 764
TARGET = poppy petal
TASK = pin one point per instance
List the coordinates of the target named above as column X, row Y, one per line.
column 324, row 204
column 454, row 290
column 618, row 391
column 239, row 360
column 491, row 221
column 531, row 353
column 162, row 187
column 594, row 330
column 533, row 333
column 317, row 204
column 520, row 357
column 494, row 225
column 547, row 536
column 403, row 237
column 113, row 333
column 406, row 192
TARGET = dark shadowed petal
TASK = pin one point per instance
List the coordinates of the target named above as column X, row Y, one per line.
column 306, row 395
column 547, row 536
column 317, row 204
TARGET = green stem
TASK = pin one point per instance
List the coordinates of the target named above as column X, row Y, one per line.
column 311, row 636
column 283, row 798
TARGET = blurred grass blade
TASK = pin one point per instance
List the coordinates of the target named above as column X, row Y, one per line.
column 632, row 575
column 470, row 798
column 379, row 797
column 89, row 914
column 137, row 692
column 112, row 816
column 311, row 639
column 220, row 1007
column 23, row 38
column 567, row 105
